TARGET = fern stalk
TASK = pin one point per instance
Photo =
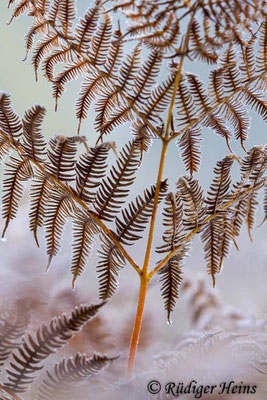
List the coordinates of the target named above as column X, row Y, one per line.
column 145, row 276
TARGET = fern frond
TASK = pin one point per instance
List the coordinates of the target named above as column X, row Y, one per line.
column 185, row 104
column 5, row 148
column 17, row 171
column 173, row 220
column 10, row 122
column 190, row 149
column 211, row 237
column 227, row 234
column 39, row 26
column 61, row 155
column 12, row 328
column 143, row 136
column 57, row 210
column 213, row 120
column 46, row 44
column 256, row 101
column 69, row 73
column 85, row 29
column 135, row 218
column 119, row 116
column 232, row 76
column 146, row 78
column 64, row 55
column 201, row 50
column 192, row 198
column 21, row 8
column 114, row 56
column 91, row 87
column 84, row 233
column 160, row 98
column 66, row 14
column 171, row 276
column 33, row 141
column 108, row 268
column 101, row 41
column 69, row 373
column 113, row 190
column 129, row 68
column 220, row 184
column 90, row 169
column 171, row 272
column 262, row 54
column 38, row 199
column 28, row 360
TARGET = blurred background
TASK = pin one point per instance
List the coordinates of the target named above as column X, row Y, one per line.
column 241, row 285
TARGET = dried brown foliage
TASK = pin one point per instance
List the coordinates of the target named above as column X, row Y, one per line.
column 223, row 33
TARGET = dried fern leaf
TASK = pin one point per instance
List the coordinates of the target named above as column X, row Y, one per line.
column 20, row 8
column 39, row 26
column 129, row 68
column 256, row 101
column 5, row 148
column 84, row 31
column 38, row 200
column 227, row 234
column 12, row 328
column 143, row 136
column 69, row 373
column 64, row 55
column 48, row 43
column 57, row 210
column 9, row 121
column 90, row 169
column 211, row 237
column 171, row 276
column 28, row 360
column 106, row 104
column 17, row 171
column 70, row 72
column 33, row 141
column 201, row 50
column 114, row 189
column 213, row 120
column 173, row 220
column 108, row 268
column 145, row 79
column 192, row 198
column 84, row 234
column 61, row 157
column 66, row 14
column 119, row 116
column 185, row 104
column 91, row 87
column 160, row 98
column 190, row 149
column 171, row 272
column 135, row 218
column 101, row 41
column 262, row 54
column 220, row 184
column 114, row 56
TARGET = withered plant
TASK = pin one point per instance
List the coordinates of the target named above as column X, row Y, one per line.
column 26, row 357
column 120, row 64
